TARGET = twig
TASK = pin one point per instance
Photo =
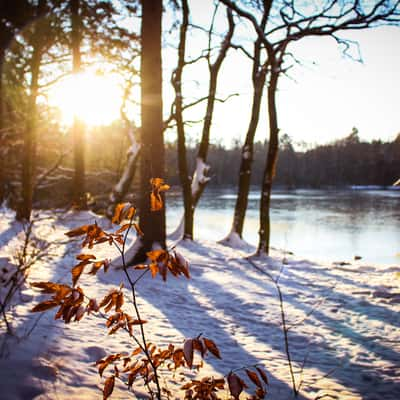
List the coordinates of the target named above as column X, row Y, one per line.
column 53, row 168
column 285, row 330
column 135, row 305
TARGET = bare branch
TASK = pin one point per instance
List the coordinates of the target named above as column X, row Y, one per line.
column 45, row 175
column 243, row 50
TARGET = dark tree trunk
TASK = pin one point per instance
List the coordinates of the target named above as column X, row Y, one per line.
column 182, row 154
column 200, row 178
column 30, row 134
column 270, row 166
column 247, row 155
column 10, row 23
column 78, row 132
column 5, row 39
column 152, row 223
column 2, row 127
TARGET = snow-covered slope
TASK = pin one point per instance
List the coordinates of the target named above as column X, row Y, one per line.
column 344, row 321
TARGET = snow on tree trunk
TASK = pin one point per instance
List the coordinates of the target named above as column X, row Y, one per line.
column 199, row 181
column 200, row 178
column 236, row 242
column 121, row 188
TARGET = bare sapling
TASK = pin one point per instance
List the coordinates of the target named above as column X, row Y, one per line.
column 145, row 364
column 15, row 274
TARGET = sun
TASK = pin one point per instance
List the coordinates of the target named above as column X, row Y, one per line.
column 92, row 97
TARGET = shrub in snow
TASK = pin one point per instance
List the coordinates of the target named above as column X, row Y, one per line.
column 145, row 361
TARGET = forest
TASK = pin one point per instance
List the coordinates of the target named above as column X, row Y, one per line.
column 108, row 106
column 343, row 163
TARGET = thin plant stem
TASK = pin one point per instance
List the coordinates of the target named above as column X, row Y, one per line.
column 285, row 329
column 135, row 305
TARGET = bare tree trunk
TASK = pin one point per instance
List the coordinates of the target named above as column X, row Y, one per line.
column 121, row 188
column 78, row 133
column 152, row 223
column 270, row 166
column 10, row 24
column 182, row 154
column 200, row 175
column 5, row 39
column 30, row 135
column 247, row 155
column 2, row 127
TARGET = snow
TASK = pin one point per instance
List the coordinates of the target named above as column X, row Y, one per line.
column 199, row 176
column 132, row 153
column 235, row 241
column 343, row 318
column 246, row 152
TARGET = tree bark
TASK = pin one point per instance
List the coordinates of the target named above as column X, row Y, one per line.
column 270, row 166
column 152, row 223
column 30, row 135
column 200, row 178
column 247, row 153
column 2, row 127
column 11, row 23
column 181, row 145
column 78, row 133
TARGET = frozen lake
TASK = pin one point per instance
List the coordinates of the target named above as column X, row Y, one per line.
column 333, row 225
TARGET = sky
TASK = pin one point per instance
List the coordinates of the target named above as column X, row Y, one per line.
column 322, row 99
column 326, row 96
column 338, row 93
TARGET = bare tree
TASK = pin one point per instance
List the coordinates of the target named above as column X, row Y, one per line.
column 193, row 187
column 15, row 15
column 78, row 132
column 259, row 72
column 288, row 22
column 176, row 81
column 152, row 223
column 38, row 42
column 120, row 190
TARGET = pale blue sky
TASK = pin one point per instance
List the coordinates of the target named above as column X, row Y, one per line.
column 325, row 97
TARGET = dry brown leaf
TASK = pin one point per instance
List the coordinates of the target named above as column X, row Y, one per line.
column 188, row 352
column 85, row 257
column 123, row 228
column 119, row 302
column 78, row 231
column 263, row 375
column 235, row 385
column 116, row 219
column 254, row 378
column 156, row 203
column 77, row 272
column 153, row 269
column 212, row 347
column 108, row 387
column 157, row 255
column 45, row 305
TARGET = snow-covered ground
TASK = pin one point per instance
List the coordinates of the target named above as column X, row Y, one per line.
column 344, row 321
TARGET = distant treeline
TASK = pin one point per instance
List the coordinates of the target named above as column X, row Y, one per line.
column 344, row 162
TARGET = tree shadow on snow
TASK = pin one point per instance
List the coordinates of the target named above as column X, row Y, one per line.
column 362, row 377
column 26, row 368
